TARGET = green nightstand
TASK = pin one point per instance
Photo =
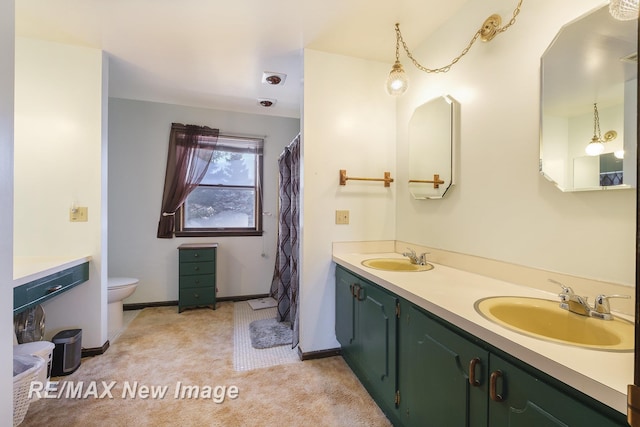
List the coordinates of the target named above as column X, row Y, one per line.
column 197, row 275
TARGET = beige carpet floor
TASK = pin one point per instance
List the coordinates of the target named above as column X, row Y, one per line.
column 161, row 348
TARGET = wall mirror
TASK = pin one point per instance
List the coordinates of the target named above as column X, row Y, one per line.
column 433, row 135
column 592, row 60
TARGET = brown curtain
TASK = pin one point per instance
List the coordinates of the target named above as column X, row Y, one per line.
column 190, row 150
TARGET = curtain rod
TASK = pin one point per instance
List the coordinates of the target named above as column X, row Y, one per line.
column 241, row 136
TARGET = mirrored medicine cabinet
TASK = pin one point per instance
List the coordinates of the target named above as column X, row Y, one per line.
column 592, row 60
column 433, row 138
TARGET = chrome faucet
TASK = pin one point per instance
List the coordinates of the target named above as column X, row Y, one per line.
column 579, row 305
column 601, row 308
column 414, row 258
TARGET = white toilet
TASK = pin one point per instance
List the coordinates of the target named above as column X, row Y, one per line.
column 118, row 289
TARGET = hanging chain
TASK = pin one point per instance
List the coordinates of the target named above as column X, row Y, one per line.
column 516, row 12
column 446, row 68
column 596, row 123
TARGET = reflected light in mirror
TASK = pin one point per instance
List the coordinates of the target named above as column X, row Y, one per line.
column 624, row 10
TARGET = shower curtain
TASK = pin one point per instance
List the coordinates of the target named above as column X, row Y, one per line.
column 285, row 282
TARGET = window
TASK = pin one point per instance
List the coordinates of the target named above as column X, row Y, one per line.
column 228, row 201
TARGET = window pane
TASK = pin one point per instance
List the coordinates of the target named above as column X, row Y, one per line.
column 229, row 168
column 208, row 207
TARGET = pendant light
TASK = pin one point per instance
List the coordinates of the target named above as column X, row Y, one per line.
column 397, row 81
column 596, row 145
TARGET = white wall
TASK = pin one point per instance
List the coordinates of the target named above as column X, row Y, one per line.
column 6, row 199
column 348, row 123
column 58, row 151
column 502, row 208
column 138, row 144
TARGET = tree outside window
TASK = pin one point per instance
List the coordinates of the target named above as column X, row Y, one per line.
column 228, row 199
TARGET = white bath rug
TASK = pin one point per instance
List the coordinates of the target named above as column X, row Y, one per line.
column 262, row 303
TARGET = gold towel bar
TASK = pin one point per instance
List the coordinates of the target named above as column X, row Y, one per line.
column 436, row 181
column 343, row 178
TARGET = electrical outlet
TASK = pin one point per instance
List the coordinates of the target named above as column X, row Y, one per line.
column 342, row 217
column 79, row 214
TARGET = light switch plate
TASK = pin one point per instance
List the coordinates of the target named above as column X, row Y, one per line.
column 342, row 217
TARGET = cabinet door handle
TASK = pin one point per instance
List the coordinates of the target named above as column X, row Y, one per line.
column 54, row 289
column 358, row 293
column 196, row 268
column 352, row 290
column 473, row 363
column 196, row 255
column 493, row 385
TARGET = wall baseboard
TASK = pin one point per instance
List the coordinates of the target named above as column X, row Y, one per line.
column 319, row 354
column 141, row 305
column 95, row 351
column 242, row 297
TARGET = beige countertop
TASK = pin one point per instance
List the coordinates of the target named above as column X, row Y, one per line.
column 29, row 268
column 450, row 294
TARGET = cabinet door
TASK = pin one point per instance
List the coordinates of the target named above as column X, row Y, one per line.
column 529, row 402
column 435, row 364
column 376, row 340
column 345, row 325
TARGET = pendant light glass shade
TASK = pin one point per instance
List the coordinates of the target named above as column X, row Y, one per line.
column 397, row 81
column 624, row 10
column 594, row 148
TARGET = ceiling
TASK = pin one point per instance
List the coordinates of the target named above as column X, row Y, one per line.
column 212, row 53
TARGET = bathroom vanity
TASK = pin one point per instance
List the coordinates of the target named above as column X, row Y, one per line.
column 422, row 351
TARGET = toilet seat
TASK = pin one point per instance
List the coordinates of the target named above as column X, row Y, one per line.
column 120, row 282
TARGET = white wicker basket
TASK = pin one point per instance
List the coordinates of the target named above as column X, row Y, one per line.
column 25, row 369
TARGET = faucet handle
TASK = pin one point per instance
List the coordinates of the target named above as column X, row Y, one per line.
column 422, row 260
column 601, row 305
column 410, row 253
column 566, row 290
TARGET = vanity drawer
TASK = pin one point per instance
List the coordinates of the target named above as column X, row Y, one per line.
column 198, row 281
column 36, row 292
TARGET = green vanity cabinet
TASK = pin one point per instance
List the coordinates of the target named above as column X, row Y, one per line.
column 197, row 275
column 445, row 375
column 448, row 377
column 434, row 370
column 366, row 327
column 523, row 399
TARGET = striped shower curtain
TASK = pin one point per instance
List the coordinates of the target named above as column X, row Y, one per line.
column 285, row 282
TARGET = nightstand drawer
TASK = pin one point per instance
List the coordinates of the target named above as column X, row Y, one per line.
column 198, row 281
column 197, row 296
column 195, row 255
column 200, row 268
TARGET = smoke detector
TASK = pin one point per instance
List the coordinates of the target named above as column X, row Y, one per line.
column 274, row 79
